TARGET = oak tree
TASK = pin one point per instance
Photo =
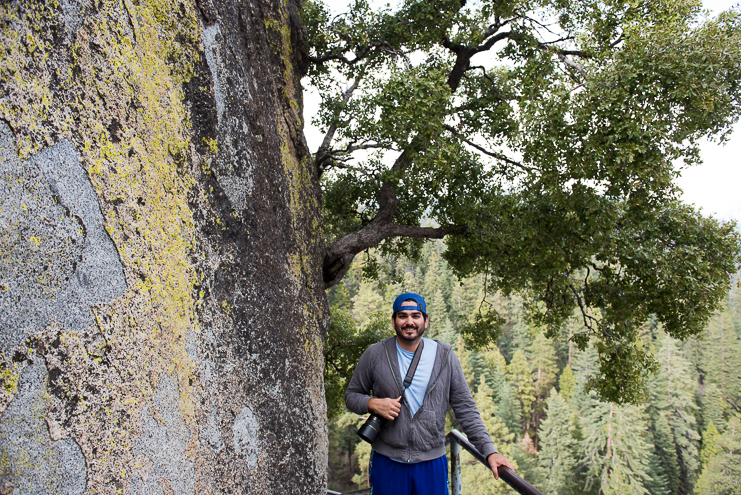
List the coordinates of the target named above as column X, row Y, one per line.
column 540, row 138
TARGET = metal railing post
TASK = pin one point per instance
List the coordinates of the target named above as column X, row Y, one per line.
column 455, row 467
column 459, row 440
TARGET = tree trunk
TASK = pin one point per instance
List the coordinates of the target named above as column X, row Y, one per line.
column 162, row 310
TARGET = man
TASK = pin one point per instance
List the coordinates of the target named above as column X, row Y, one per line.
column 408, row 455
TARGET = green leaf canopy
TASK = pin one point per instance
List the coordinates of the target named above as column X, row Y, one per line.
column 542, row 139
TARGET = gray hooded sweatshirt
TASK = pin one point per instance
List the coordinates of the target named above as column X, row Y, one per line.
column 420, row 437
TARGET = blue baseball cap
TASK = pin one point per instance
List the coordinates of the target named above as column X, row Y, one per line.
column 421, row 306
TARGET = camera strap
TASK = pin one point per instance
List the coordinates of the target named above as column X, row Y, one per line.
column 413, row 366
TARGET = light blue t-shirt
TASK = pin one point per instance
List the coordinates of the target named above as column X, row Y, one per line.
column 415, row 394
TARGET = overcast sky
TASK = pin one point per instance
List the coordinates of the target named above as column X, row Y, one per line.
column 715, row 186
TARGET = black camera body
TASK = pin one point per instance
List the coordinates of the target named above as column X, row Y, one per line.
column 371, row 428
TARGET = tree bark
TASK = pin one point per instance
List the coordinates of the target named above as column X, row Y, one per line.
column 162, row 305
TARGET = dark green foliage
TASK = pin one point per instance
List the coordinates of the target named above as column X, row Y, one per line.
column 723, row 471
column 339, row 297
column 342, row 459
column 482, row 329
column 343, row 346
column 658, row 484
column 664, row 466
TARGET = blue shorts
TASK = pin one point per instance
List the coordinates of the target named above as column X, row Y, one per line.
column 389, row 477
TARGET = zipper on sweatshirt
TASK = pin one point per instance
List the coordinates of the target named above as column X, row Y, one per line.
column 430, row 389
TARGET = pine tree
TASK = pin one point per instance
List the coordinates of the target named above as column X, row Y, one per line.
column 522, row 337
column 545, row 369
column 438, row 313
column 366, row 303
column 476, row 477
column 447, row 334
column 431, row 283
column 658, row 484
column 616, row 448
column 406, row 283
column 464, row 356
column 672, row 393
column 558, row 446
column 496, row 366
column 500, row 434
column 611, row 438
column 509, row 408
column 714, row 409
column 519, row 374
column 709, row 445
column 567, row 383
column 339, row 297
column 432, row 291
column 721, row 362
column 447, row 282
column 543, row 362
column 722, row 473
column 353, row 278
column 664, row 466
column 465, row 299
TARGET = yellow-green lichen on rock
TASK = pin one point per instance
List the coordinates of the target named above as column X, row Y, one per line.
column 117, row 95
column 304, row 206
column 164, row 247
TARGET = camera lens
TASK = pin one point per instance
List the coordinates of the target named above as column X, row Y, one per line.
column 370, row 429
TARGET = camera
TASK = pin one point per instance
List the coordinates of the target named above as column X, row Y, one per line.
column 370, row 429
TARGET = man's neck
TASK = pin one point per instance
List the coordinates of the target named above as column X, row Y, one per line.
column 408, row 346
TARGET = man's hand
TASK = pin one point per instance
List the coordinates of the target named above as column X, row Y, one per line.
column 496, row 460
column 386, row 408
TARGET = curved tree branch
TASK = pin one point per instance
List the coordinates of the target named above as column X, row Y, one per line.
column 493, row 154
column 323, row 153
column 361, row 54
column 574, row 65
column 340, row 254
column 464, row 53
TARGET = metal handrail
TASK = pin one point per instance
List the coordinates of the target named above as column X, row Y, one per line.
column 458, row 440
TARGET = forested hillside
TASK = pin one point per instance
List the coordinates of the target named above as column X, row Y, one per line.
column 685, row 437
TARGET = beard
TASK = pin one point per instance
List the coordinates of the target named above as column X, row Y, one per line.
column 401, row 332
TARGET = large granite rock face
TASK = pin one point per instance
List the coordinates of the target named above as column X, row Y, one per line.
column 162, row 309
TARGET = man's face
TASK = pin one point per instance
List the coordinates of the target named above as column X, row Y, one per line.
column 410, row 324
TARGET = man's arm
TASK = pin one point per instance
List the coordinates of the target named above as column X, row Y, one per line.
column 357, row 396
column 469, row 417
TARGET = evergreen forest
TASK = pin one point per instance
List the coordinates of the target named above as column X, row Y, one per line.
column 533, row 392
